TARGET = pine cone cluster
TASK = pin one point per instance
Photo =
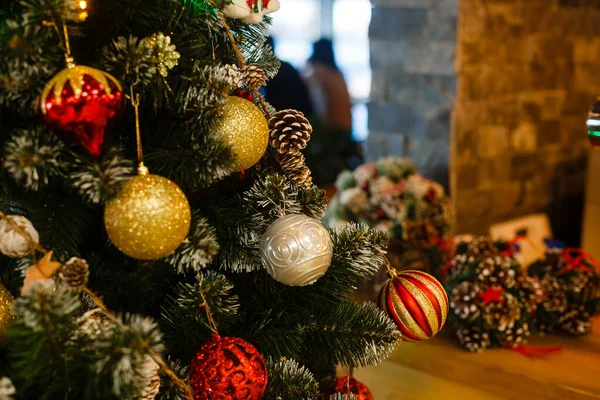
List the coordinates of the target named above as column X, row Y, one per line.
column 482, row 246
column 497, row 271
column 289, row 131
column 517, row 335
column 473, row 339
column 253, row 77
column 463, row 301
column 294, row 166
column 502, row 315
column 572, row 292
column 530, row 292
column 75, row 273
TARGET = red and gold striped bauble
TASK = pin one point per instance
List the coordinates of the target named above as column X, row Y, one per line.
column 417, row 303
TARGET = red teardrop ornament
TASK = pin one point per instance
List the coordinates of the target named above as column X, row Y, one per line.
column 82, row 104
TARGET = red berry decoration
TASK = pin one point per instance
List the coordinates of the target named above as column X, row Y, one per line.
column 239, row 92
column 349, row 385
column 82, row 104
column 417, row 303
column 249, row 96
column 228, row 368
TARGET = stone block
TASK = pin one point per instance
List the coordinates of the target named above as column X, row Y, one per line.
column 577, row 103
column 543, row 48
column 421, row 89
column 569, row 3
column 524, row 167
column 468, row 52
column 380, row 87
column 397, row 23
column 573, row 129
column 430, row 57
column 472, row 23
column 586, row 50
column 586, row 79
column 388, row 53
column 384, row 144
column 493, row 171
column 390, row 117
column 441, row 25
column 549, row 133
column 509, row 196
column 550, row 75
column 501, row 111
column 524, row 138
column 437, row 123
column 467, row 177
column 493, row 141
column 465, row 146
column 403, row 3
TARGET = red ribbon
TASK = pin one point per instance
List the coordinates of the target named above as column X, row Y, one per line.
column 575, row 260
column 533, row 352
column 511, row 248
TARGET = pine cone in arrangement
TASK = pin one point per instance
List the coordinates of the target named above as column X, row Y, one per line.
column 502, row 315
column 530, row 292
column 289, row 131
column 464, row 302
column 482, row 246
column 583, row 286
column 576, row 321
column 75, row 273
column 233, row 75
column 473, row 339
column 555, row 292
column 421, row 234
column 517, row 335
column 253, row 76
column 497, row 271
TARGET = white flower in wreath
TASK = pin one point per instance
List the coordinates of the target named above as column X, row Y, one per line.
column 384, row 187
column 364, row 174
column 418, row 187
column 250, row 11
column 354, row 199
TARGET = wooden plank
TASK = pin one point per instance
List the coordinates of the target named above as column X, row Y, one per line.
column 574, row 373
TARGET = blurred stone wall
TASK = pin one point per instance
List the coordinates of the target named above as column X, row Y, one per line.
column 527, row 73
column 413, row 46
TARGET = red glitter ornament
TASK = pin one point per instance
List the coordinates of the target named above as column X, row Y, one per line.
column 228, row 368
column 349, row 385
column 82, row 104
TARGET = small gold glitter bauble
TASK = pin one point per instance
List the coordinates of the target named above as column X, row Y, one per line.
column 149, row 218
column 6, row 314
column 246, row 129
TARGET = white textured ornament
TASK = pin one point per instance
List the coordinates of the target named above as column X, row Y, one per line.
column 296, row 250
column 250, row 11
column 12, row 242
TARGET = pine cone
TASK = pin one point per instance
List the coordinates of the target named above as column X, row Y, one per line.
column 233, row 75
column 420, row 234
column 576, row 321
column 556, row 296
column 253, row 76
column 502, row 315
column 464, row 302
column 530, row 292
column 517, row 335
column 289, row 131
column 294, row 166
column 496, row 271
column 75, row 273
column 17, row 242
column 482, row 246
column 583, row 286
column 473, row 339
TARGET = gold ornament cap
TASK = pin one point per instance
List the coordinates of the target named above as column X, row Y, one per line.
column 149, row 218
column 245, row 128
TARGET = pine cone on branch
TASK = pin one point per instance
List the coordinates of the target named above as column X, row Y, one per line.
column 253, row 76
column 289, row 131
column 233, row 75
column 75, row 273
column 294, row 166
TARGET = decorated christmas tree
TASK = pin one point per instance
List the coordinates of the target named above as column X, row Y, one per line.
column 159, row 231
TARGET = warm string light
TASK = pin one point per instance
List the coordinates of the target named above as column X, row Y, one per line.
column 100, row 304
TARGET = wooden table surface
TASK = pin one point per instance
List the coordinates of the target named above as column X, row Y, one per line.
column 439, row 369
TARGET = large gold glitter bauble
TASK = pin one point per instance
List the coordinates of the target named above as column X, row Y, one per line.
column 6, row 314
column 149, row 218
column 246, row 129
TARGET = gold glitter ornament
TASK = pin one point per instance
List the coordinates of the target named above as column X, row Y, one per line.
column 6, row 314
column 246, row 129
column 149, row 218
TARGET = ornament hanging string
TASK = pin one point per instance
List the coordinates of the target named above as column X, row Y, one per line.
column 209, row 317
column 240, row 57
column 156, row 357
column 135, row 102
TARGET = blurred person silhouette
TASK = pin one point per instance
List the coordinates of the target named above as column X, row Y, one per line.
column 328, row 88
column 287, row 89
column 331, row 148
